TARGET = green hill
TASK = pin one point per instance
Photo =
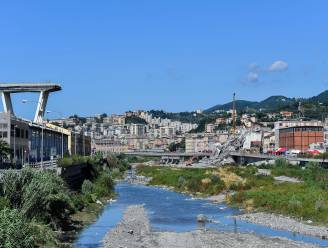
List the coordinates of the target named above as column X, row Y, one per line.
column 275, row 103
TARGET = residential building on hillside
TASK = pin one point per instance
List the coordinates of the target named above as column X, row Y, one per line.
column 209, row 128
column 107, row 146
column 286, row 114
column 138, row 130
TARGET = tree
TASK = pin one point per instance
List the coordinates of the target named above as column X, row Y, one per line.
column 135, row 120
column 4, row 150
column 172, row 147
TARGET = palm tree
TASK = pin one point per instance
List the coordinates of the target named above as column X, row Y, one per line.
column 4, row 150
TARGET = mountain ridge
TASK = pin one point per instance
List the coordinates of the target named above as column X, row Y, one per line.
column 272, row 103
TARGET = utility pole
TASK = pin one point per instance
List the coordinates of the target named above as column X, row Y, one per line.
column 15, row 126
column 234, row 115
column 75, row 135
column 83, row 145
column 62, row 140
column 42, row 140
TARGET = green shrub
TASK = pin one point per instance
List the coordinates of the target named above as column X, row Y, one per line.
column 236, row 186
column 181, row 182
column 46, row 198
column 78, row 201
column 104, row 185
column 116, row 173
column 282, row 162
column 312, row 165
column 87, row 187
column 112, row 161
column 193, row 185
column 320, row 205
column 215, row 179
column 15, row 231
column 75, row 160
column 27, row 175
column 93, row 160
column 12, row 188
column 294, row 204
column 4, row 203
column 65, row 162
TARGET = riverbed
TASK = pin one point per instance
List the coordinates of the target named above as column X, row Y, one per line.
column 176, row 212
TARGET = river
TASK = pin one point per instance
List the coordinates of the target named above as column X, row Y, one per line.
column 171, row 211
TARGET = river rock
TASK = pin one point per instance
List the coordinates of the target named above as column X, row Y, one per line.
column 202, row 218
column 135, row 218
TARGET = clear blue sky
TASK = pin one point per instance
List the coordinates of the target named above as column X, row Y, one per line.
column 176, row 55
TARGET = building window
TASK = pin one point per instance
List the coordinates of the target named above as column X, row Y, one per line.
column 17, row 130
column 4, row 134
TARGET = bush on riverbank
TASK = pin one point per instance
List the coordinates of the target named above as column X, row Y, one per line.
column 76, row 160
column 39, row 195
column 308, row 199
column 17, row 232
column 183, row 179
column 42, row 204
column 118, row 164
column 103, row 186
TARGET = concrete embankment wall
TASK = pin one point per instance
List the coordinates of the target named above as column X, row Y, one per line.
column 74, row 175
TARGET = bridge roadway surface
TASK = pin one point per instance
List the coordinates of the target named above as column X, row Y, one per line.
column 255, row 156
column 167, row 154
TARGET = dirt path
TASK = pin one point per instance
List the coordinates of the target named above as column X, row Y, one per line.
column 134, row 232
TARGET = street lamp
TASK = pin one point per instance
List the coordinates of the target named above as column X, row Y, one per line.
column 15, row 126
column 83, row 140
column 42, row 128
column 62, row 130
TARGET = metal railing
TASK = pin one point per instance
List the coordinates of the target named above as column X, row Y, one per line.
column 45, row 164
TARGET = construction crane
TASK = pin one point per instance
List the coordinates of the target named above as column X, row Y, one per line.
column 234, row 115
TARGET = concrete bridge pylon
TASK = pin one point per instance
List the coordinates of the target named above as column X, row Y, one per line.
column 44, row 89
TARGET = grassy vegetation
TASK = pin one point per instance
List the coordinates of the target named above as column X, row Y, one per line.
column 37, row 207
column 307, row 200
column 75, row 160
column 205, row 182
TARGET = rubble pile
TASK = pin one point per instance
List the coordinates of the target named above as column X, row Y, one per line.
column 221, row 155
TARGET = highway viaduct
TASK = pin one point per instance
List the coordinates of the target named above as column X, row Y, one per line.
column 168, row 157
column 239, row 157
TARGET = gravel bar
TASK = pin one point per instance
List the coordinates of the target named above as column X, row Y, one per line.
column 285, row 223
column 134, row 232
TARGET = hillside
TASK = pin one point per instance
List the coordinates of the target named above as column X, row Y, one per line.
column 274, row 103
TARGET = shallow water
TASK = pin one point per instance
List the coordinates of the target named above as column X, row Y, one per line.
column 171, row 211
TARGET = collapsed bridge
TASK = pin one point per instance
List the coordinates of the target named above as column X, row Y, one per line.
column 44, row 89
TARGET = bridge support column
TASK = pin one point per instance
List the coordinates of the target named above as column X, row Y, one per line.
column 7, row 104
column 43, row 99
